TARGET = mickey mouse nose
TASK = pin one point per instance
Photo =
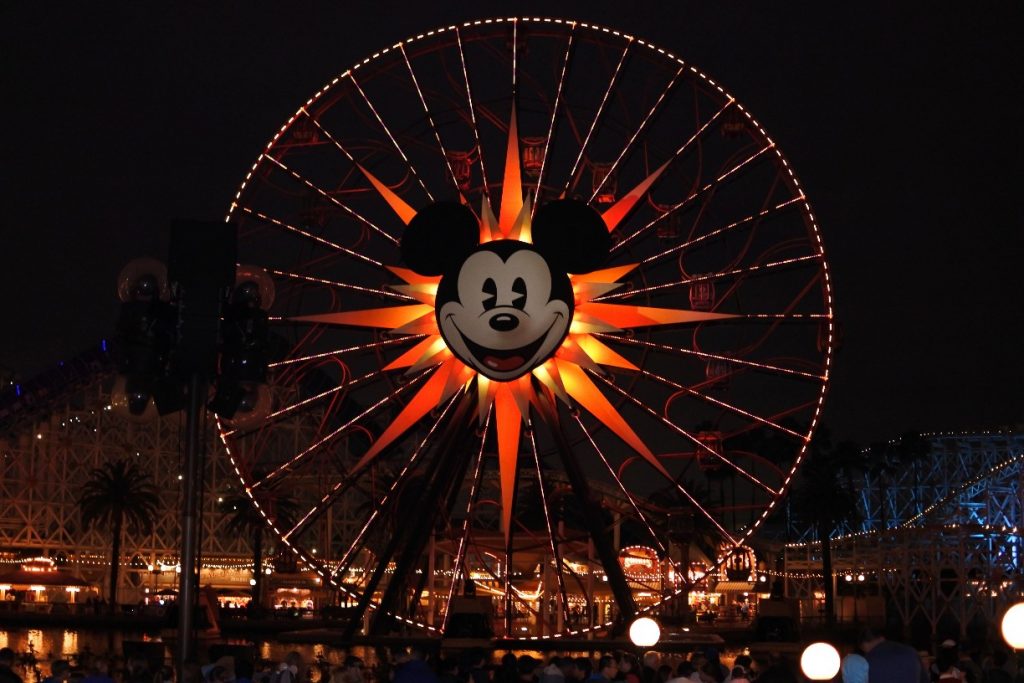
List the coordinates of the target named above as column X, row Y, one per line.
column 503, row 322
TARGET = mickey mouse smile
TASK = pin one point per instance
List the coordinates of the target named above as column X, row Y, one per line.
column 504, row 360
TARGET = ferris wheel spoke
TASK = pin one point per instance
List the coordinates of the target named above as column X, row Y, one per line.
column 397, row 204
column 381, row 504
column 554, row 116
column 747, row 220
column 571, row 180
column 430, row 117
column 334, row 353
column 320, row 443
column 711, row 277
column 703, row 191
column 289, row 410
column 615, row 214
column 345, row 286
column 792, row 410
column 332, row 199
column 689, row 437
column 622, row 487
column 351, row 477
column 310, row 236
column 556, row 555
column 458, row 570
column 666, row 348
column 643, row 125
column 387, row 131
column 785, row 316
column 721, row 404
column 472, row 113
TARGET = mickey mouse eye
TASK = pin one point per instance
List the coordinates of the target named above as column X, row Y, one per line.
column 490, row 290
column 519, row 292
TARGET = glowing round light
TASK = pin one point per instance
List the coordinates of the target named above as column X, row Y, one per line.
column 820, row 662
column 644, row 632
column 1013, row 626
column 252, row 582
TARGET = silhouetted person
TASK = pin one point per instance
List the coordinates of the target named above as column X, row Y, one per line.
column 889, row 661
column 7, row 674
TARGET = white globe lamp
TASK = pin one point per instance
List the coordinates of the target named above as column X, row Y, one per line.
column 1013, row 626
column 820, row 662
column 644, row 632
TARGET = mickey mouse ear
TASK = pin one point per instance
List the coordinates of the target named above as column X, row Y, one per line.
column 571, row 235
column 439, row 237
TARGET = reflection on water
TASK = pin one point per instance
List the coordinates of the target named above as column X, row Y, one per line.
column 51, row 644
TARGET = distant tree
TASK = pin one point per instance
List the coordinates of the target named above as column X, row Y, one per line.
column 245, row 519
column 117, row 496
column 824, row 499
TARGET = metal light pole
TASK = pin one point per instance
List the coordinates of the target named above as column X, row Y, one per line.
column 201, row 270
column 190, row 520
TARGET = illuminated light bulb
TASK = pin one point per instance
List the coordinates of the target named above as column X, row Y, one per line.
column 820, row 662
column 644, row 632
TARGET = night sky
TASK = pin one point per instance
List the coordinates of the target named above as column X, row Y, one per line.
column 903, row 123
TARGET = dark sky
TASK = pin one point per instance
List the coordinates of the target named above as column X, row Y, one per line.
column 903, row 123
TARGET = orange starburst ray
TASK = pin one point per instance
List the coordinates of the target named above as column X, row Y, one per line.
column 620, row 209
column 424, row 293
column 570, row 351
column 460, row 377
column 397, row 204
column 588, row 291
column 512, row 184
column 508, row 421
column 488, row 223
column 385, row 318
column 625, row 316
column 583, row 390
column 414, row 278
column 549, row 377
column 485, row 396
column 429, row 396
column 522, row 230
column 600, row 353
column 606, row 276
column 426, row 324
column 425, row 350
column 586, row 324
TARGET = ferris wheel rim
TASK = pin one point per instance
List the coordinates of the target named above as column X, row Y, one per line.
column 791, row 178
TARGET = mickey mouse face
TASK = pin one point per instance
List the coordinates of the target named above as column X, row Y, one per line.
column 504, row 320
column 504, row 307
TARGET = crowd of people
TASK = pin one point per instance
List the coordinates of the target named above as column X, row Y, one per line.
column 872, row 659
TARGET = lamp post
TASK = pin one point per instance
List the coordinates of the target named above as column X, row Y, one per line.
column 820, row 662
column 1012, row 627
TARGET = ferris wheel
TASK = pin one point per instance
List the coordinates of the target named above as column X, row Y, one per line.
column 534, row 278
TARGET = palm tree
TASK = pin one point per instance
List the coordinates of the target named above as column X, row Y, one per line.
column 119, row 495
column 824, row 500
column 244, row 518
